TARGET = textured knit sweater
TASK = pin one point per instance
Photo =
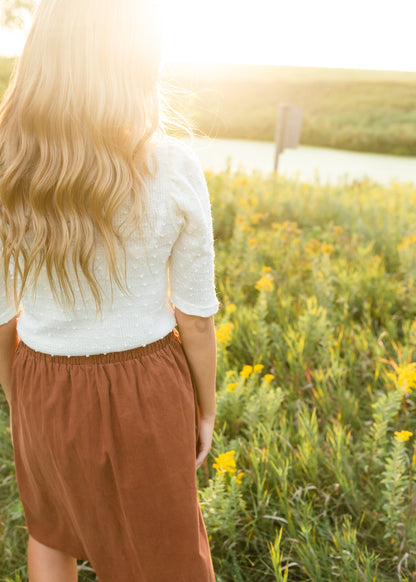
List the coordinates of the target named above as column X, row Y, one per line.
column 171, row 264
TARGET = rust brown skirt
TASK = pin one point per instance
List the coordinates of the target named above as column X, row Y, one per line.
column 105, row 449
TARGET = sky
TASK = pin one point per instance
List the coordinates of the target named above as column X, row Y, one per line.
column 354, row 34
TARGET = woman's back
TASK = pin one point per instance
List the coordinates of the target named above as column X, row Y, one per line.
column 169, row 259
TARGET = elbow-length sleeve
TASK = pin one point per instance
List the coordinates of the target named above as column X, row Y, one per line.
column 191, row 264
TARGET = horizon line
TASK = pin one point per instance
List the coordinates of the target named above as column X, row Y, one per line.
column 263, row 64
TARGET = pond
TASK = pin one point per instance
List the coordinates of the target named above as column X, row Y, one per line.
column 307, row 163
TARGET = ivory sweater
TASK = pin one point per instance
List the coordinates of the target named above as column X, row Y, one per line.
column 173, row 264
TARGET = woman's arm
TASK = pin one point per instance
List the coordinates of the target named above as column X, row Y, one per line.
column 8, row 345
column 199, row 343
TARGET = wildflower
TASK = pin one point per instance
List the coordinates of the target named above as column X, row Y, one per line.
column 258, row 368
column 223, row 333
column 253, row 242
column 242, row 223
column 225, row 463
column 266, row 270
column 315, row 247
column 403, row 435
column 230, row 308
column 326, row 248
column 242, row 181
column 239, row 477
column 229, row 373
column 231, row 387
column 405, row 376
column 265, row 283
column 268, row 378
column 246, row 371
column 407, row 242
column 255, row 217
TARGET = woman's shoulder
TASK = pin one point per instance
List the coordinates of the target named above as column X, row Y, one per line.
column 179, row 156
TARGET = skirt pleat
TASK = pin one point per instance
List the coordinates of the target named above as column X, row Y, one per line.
column 105, row 450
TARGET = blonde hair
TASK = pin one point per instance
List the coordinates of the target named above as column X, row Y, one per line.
column 75, row 139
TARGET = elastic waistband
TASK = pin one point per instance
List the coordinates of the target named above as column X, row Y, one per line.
column 172, row 337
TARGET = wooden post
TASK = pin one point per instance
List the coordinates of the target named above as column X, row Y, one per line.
column 288, row 129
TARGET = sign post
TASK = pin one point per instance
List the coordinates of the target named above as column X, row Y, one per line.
column 288, row 129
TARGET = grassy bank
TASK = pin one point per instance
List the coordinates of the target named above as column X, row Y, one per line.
column 347, row 109
column 312, row 473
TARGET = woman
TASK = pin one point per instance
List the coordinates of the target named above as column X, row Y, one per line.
column 106, row 239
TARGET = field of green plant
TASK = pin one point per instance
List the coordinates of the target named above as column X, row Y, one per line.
column 373, row 111
column 312, row 473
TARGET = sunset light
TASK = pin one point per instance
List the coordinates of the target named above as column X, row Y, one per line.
column 324, row 33
column 354, row 34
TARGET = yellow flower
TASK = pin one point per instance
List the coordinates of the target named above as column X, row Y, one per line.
column 253, row 242
column 232, row 387
column 230, row 308
column 258, row 368
column 229, row 373
column 241, row 222
column 239, row 477
column 225, row 463
column 315, row 247
column 403, row 435
column 255, row 217
column 405, row 376
column 266, row 270
column 223, row 333
column 326, row 248
column 242, row 181
column 265, row 283
column 407, row 242
column 268, row 378
column 246, row 371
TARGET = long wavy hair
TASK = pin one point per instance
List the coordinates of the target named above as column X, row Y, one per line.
column 76, row 128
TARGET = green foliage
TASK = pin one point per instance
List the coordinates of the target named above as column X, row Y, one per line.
column 6, row 67
column 12, row 12
column 307, row 478
column 317, row 291
column 354, row 110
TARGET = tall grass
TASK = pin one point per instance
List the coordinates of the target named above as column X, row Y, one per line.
column 312, row 472
column 346, row 109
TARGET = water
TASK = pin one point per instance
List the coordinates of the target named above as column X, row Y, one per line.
column 305, row 163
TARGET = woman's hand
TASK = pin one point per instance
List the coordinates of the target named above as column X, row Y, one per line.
column 206, row 428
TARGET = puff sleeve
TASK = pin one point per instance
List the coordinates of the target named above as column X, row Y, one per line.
column 191, row 264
